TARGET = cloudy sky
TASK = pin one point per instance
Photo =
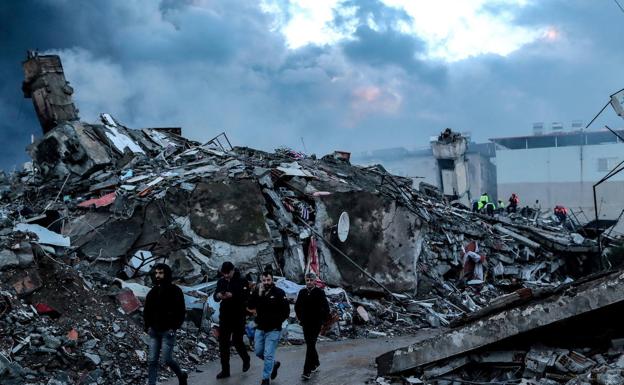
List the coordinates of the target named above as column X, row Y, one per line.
column 354, row 75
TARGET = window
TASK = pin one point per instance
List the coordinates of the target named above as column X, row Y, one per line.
column 607, row 164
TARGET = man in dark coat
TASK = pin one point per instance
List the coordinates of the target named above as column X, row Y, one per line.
column 163, row 314
column 271, row 308
column 232, row 292
column 312, row 311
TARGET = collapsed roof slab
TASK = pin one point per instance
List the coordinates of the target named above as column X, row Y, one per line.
column 575, row 300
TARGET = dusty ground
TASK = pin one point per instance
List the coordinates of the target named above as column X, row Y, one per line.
column 346, row 362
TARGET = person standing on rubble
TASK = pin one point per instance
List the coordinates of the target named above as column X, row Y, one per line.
column 501, row 207
column 312, row 311
column 163, row 315
column 232, row 292
column 484, row 199
column 513, row 203
column 561, row 213
column 271, row 308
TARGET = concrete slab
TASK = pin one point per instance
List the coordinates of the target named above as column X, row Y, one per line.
column 571, row 301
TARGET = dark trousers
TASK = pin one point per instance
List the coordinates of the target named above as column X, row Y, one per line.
column 231, row 330
column 310, row 334
column 161, row 341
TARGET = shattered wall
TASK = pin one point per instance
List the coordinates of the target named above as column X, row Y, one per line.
column 384, row 238
column 230, row 212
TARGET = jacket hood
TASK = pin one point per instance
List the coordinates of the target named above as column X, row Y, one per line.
column 166, row 269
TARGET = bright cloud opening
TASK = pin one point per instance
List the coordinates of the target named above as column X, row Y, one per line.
column 453, row 30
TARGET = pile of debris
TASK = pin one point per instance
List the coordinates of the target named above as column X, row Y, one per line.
column 104, row 203
column 567, row 335
column 57, row 325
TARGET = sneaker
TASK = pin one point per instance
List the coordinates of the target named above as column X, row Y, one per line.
column 223, row 374
column 274, row 371
column 306, row 376
column 246, row 365
column 265, row 382
column 183, row 379
column 316, row 368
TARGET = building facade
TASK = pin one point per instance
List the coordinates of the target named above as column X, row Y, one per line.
column 422, row 166
column 561, row 168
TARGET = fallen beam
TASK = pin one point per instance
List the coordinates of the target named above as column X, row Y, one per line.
column 576, row 300
column 516, row 236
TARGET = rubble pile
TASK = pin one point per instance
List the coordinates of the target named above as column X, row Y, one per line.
column 566, row 335
column 74, row 330
column 160, row 197
column 102, row 203
column 539, row 365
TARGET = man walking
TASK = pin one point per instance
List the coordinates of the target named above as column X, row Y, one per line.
column 163, row 314
column 312, row 311
column 232, row 292
column 271, row 308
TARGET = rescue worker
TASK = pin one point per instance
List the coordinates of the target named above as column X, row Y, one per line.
column 489, row 208
column 312, row 311
column 514, row 201
column 271, row 308
column 232, row 291
column 163, row 315
column 501, row 207
column 561, row 213
column 484, row 199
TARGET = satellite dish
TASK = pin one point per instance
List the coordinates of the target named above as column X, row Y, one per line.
column 343, row 227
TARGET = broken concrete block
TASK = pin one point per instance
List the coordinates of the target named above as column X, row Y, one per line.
column 44, row 235
column 610, row 377
column 71, row 147
column 375, row 334
column 385, row 239
column 24, row 254
column 589, row 296
column 94, row 358
column 363, row 313
column 8, row 259
column 113, row 239
column 449, row 366
column 229, row 212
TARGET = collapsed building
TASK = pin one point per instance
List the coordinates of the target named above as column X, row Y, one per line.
column 569, row 334
column 102, row 203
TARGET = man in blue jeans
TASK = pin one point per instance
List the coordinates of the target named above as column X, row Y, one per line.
column 270, row 306
column 163, row 314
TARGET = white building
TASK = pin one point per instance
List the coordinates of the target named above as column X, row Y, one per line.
column 422, row 166
column 561, row 168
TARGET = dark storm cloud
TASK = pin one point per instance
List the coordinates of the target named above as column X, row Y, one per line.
column 568, row 75
column 42, row 25
column 385, row 45
column 212, row 66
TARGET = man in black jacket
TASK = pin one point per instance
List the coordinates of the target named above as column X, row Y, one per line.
column 163, row 314
column 232, row 292
column 312, row 311
column 271, row 308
